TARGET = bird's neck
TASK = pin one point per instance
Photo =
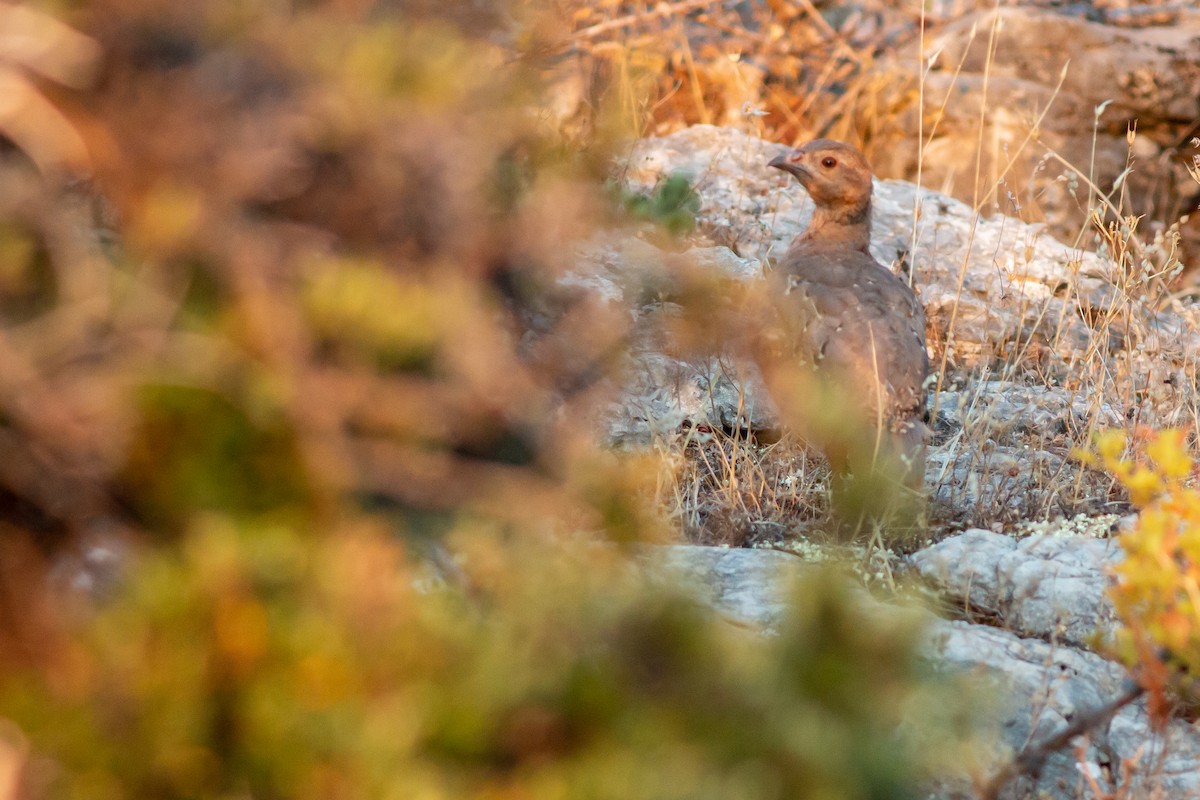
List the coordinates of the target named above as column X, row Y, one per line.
column 846, row 226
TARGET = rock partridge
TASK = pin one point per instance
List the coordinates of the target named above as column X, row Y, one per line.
column 850, row 325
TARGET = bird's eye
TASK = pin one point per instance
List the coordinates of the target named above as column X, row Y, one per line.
column 828, row 162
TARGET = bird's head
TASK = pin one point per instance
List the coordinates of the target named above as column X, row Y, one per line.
column 835, row 174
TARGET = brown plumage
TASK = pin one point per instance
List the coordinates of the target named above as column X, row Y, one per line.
column 852, row 322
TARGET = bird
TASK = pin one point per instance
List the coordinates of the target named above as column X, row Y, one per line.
column 848, row 354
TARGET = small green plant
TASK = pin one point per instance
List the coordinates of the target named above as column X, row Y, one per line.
column 673, row 204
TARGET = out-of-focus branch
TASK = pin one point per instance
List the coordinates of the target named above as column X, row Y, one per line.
column 660, row 11
column 1033, row 758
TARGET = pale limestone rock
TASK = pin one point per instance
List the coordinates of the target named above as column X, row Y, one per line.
column 1030, row 687
column 1044, row 586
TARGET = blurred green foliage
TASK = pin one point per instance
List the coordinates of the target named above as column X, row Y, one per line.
column 272, row 344
column 193, row 451
column 26, row 280
column 355, row 306
column 255, row 661
column 673, row 204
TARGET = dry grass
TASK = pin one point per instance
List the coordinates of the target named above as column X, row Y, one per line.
column 792, row 72
column 784, row 70
column 729, row 489
column 233, row 356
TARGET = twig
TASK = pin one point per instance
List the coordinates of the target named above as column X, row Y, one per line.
column 1033, row 758
column 659, row 11
column 1062, row 76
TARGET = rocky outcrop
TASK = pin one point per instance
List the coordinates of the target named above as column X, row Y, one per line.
column 1045, row 586
column 1024, row 106
column 991, row 285
column 1035, row 343
column 1033, row 683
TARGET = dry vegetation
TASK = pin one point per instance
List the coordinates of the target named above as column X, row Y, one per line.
column 792, row 71
column 279, row 341
column 279, row 309
column 600, row 73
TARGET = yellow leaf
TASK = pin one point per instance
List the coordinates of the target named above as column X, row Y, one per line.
column 1144, row 486
column 1169, row 454
column 1110, row 444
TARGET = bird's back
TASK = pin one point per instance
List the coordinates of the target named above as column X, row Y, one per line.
column 857, row 321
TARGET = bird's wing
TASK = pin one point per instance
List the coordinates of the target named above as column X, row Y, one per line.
column 861, row 322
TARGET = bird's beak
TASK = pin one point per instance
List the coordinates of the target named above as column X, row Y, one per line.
column 783, row 161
